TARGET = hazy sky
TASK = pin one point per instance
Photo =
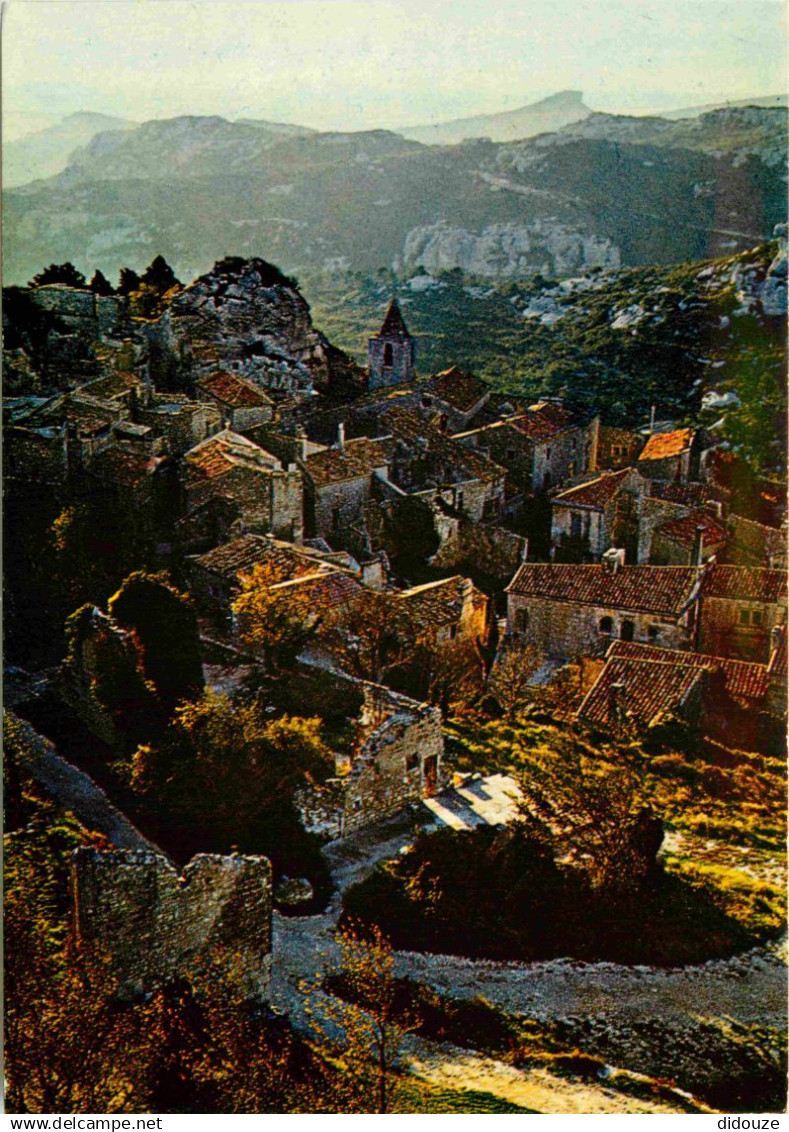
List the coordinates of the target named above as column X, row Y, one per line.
column 353, row 64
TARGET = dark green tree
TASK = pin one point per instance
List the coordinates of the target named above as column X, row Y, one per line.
column 128, row 281
column 100, row 284
column 59, row 273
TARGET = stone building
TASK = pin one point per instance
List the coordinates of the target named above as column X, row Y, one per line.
column 541, row 448
column 568, row 610
column 242, row 404
column 667, row 455
column 453, row 608
column 339, row 481
column 157, row 926
column 740, row 606
column 618, row 448
column 261, row 496
column 642, row 685
column 755, row 544
column 394, row 761
column 588, row 519
column 455, row 397
column 688, row 541
column 391, row 353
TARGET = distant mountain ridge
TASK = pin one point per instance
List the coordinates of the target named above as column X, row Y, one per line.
column 45, row 152
column 605, row 191
column 509, row 125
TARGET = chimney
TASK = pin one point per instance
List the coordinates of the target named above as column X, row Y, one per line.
column 615, row 697
column 525, row 550
column 775, row 640
column 613, row 558
column 301, row 445
column 698, row 547
column 652, row 419
column 341, row 436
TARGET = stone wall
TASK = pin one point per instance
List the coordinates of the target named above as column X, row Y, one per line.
column 723, row 633
column 156, row 925
column 567, row 629
column 401, row 359
column 336, row 507
column 97, row 317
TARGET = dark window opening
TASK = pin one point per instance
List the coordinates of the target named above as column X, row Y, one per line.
column 606, row 624
column 522, row 620
column 653, row 632
column 412, row 762
column 388, row 354
column 627, row 631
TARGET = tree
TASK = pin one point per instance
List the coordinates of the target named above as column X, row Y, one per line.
column 510, row 679
column 364, row 1013
column 369, row 636
column 278, row 624
column 594, row 811
column 160, row 275
column 100, row 285
column 128, row 281
column 165, row 628
column 59, row 273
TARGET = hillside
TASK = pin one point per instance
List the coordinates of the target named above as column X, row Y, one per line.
column 536, row 118
column 621, row 340
column 615, row 192
column 46, row 152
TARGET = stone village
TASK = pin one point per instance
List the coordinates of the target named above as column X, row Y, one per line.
column 245, row 450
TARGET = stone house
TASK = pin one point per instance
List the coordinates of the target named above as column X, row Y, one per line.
column 453, row 608
column 755, row 544
column 242, row 404
column 182, row 422
column 568, row 610
column 667, row 455
column 455, row 397
column 391, row 353
column 740, row 606
column 394, row 760
column 338, row 482
column 261, row 495
column 541, row 448
column 157, row 925
column 618, row 448
column 427, row 463
column 688, row 541
column 588, row 519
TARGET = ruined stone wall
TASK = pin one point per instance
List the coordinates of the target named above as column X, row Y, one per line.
column 98, row 317
column 617, row 448
column 565, row 455
column 33, row 456
column 476, row 499
column 287, row 505
column 339, row 506
column 722, row 632
column 490, row 550
column 242, row 418
column 567, row 629
column 182, row 424
column 653, row 513
column 670, row 468
column 156, row 926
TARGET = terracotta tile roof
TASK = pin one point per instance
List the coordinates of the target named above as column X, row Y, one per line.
column 597, row 493
column 358, row 458
column 441, row 603
column 683, row 530
column 233, row 390
column 744, row 679
column 745, row 583
column 221, row 453
column 459, row 389
column 689, row 494
column 650, row 689
column 536, row 425
column 114, row 385
column 651, row 589
column 129, row 469
column 393, row 325
column 325, row 590
column 242, row 554
column 662, row 445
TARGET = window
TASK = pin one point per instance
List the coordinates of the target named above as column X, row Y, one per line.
column 388, row 354
column 459, row 500
column 627, row 630
column 510, row 453
column 757, row 617
column 453, row 632
column 653, row 632
column 606, row 625
column 335, row 517
column 357, row 804
column 575, row 526
column 522, row 620
column 412, row 762
column 547, row 453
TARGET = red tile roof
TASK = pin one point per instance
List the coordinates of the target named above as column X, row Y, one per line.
column 325, row 590
column 665, row 590
column 221, row 453
column 356, row 459
column 459, row 389
column 597, row 493
column 691, row 494
column 683, row 530
column 650, row 689
column 242, row 554
column 744, row 679
column 442, row 602
column 662, row 445
column 233, row 390
column 745, row 583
